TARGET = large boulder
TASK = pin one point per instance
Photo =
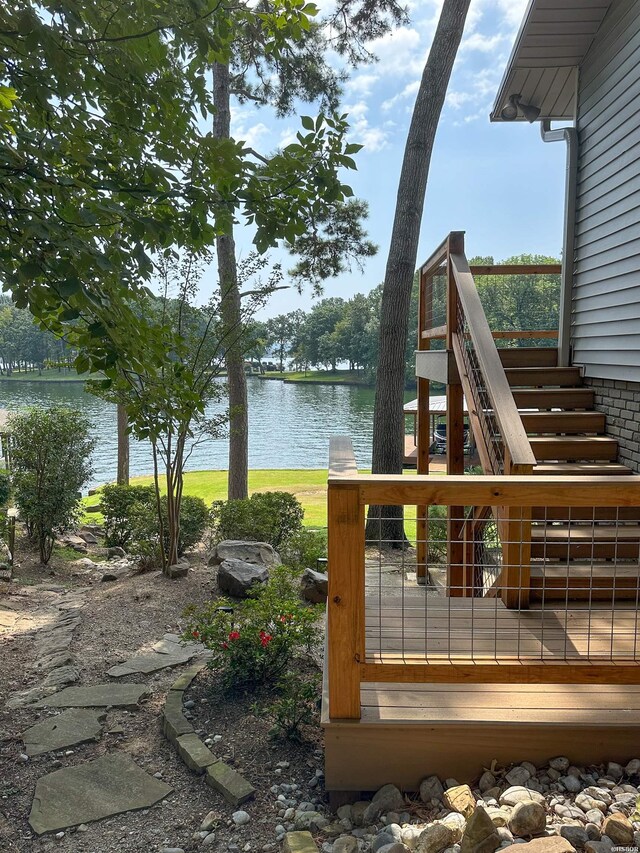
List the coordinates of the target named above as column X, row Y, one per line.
column 256, row 553
column 237, row 577
column 314, row 586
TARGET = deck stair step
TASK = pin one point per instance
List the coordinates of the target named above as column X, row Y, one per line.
column 579, row 469
column 575, row 582
column 574, row 447
column 544, row 376
column 554, row 398
column 567, row 423
column 575, row 514
column 528, row 356
column 585, row 542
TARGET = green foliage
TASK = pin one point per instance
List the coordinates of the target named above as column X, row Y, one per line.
column 194, row 520
column 437, row 534
column 50, row 465
column 254, row 641
column 5, row 488
column 122, row 508
column 304, row 548
column 272, row 517
column 297, row 705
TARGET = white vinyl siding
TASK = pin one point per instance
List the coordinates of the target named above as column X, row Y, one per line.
column 606, row 294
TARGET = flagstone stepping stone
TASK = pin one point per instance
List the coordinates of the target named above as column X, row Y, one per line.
column 167, row 652
column 107, row 786
column 66, row 729
column 97, row 696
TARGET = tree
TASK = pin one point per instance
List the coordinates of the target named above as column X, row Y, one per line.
column 51, row 462
column 280, row 330
column 279, row 68
column 388, row 419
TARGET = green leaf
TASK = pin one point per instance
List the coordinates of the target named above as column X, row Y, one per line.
column 307, row 122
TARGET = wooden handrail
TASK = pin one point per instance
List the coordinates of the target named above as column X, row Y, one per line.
column 437, row 258
column 513, row 434
column 440, row 333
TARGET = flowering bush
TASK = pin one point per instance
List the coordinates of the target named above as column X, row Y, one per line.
column 253, row 641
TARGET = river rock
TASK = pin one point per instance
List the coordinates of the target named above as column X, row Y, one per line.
column 115, row 552
column 575, row 835
column 237, row 577
column 480, row 835
column 546, row 844
column 435, row 839
column 314, row 586
column 387, row 799
column 487, row 781
column 528, row 819
column 571, row 784
column 460, row 799
column 456, row 823
column 256, row 553
column 431, row 789
column 619, row 829
column 586, row 802
column 345, row 844
column 394, row 847
column 517, row 794
column 518, row 775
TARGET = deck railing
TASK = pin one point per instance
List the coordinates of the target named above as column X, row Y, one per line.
column 384, row 627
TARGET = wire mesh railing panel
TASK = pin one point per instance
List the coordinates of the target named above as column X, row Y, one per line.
column 435, row 297
column 576, row 584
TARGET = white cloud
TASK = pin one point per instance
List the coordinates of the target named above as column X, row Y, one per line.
column 371, row 138
column 409, row 92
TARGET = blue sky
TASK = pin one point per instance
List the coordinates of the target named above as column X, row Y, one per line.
column 500, row 183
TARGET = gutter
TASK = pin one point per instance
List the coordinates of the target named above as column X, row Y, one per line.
column 570, row 136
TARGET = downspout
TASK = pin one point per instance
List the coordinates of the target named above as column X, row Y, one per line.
column 570, row 136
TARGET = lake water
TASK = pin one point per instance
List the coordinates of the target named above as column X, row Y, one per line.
column 289, row 424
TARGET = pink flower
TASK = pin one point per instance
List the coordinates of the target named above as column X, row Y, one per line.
column 265, row 638
column 234, row 635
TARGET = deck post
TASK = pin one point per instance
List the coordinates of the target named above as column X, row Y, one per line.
column 455, row 434
column 345, row 602
column 423, row 417
column 515, row 531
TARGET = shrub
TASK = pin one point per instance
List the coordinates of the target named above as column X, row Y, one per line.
column 437, row 533
column 5, row 488
column 272, row 517
column 121, row 507
column 194, row 520
column 254, row 641
column 297, row 705
column 303, row 549
column 51, row 463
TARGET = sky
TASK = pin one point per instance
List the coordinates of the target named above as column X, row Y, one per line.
column 500, row 183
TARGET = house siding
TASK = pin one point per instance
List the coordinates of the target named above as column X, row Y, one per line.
column 620, row 402
column 606, row 291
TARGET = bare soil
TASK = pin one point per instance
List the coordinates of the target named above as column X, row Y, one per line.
column 119, row 619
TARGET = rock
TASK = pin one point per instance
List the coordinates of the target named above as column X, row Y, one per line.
column 546, row 844
column 435, row 839
column 387, row 799
column 499, row 817
column 619, row 829
column 593, row 831
column 587, row 802
column 168, row 652
column 237, row 578
column 480, row 835
column 598, row 847
column 240, row 818
column 575, row 835
column 345, row 844
column 394, row 847
column 228, row 782
column 67, row 729
column 528, row 819
column 115, row 551
column 517, row 794
column 571, row 784
column 299, row 842
column 88, row 537
column 177, row 570
column 313, row 821
column 256, row 553
column 460, row 799
column 600, row 794
column 594, row 816
column 431, row 789
column 455, row 822
column 633, row 767
column 518, row 775
column 97, row 696
column 61, row 677
column 487, row 781
column 91, row 791
column 614, row 770
column 314, row 586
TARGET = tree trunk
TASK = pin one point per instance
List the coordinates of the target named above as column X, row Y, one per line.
column 388, row 420
column 231, row 312
column 123, row 447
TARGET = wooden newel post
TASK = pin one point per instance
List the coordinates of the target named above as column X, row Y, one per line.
column 345, row 604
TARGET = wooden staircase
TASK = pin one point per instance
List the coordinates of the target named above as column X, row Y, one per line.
column 576, row 553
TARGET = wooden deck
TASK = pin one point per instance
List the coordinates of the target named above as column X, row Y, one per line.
column 408, row 731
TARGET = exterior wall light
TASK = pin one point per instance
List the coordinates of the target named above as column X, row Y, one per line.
column 510, row 112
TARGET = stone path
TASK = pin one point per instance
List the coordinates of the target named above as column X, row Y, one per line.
column 167, row 652
column 97, row 696
column 69, row 728
column 107, row 786
column 53, row 625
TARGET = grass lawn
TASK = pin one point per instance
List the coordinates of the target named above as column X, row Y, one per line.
column 343, row 377
column 309, row 486
column 49, row 375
